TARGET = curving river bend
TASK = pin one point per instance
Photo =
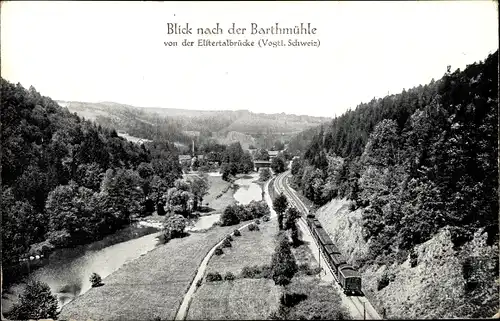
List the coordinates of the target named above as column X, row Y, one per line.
column 67, row 271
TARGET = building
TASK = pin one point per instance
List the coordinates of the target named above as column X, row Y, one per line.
column 273, row 153
column 258, row 164
column 185, row 160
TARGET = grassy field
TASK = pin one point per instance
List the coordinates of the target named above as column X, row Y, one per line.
column 321, row 300
column 222, row 188
column 150, row 286
column 251, row 248
column 241, row 299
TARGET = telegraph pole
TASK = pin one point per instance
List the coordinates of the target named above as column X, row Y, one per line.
column 364, row 311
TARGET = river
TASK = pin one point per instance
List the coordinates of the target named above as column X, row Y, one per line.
column 248, row 190
column 67, row 271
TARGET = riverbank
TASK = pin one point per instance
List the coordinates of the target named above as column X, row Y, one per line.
column 150, row 286
column 67, row 270
column 154, row 285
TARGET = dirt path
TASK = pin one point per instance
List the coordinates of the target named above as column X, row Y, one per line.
column 184, row 307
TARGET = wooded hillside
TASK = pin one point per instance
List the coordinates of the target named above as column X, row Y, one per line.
column 417, row 161
column 66, row 181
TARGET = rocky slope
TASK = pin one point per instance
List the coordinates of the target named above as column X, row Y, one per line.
column 439, row 281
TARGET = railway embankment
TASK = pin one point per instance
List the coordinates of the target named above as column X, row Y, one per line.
column 438, row 281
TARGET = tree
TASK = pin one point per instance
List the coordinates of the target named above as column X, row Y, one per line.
column 280, row 204
column 292, row 215
column 199, row 186
column 122, row 193
column 283, row 265
column 21, row 226
column 246, row 165
column 230, row 216
column 96, row 280
column 278, row 164
column 261, row 154
column 278, row 145
column 175, row 225
column 36, row 302
column 179, row 198
column 265, row 174
column 90, row 175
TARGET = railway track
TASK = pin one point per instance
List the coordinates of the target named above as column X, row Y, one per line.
column 359, row 306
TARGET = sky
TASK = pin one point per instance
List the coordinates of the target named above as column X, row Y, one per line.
column 114, row 51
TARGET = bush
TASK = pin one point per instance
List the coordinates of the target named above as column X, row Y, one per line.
column 266, row 218
column 36, row 302
column 95, row 280
column 213, row 277
column 226, row 243
column 228, row 237
column 257, row 222
column 164, row 237
column 253, row 227
column 218, row 251
column 256, row 272
column 199, row 282
column 282, row 280
column 283, row 261
column 413, row 258
column 292, row 299
column 383, row 282
column 230, row 216
column 229, row 276
column 175, row 225
column 237, row 233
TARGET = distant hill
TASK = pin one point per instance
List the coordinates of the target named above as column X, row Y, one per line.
column 181, row 125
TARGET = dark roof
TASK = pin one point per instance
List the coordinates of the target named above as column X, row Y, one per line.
column 331, row 249
column 348, row 271
column 323, row 236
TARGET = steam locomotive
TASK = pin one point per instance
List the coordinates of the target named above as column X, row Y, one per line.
column 347, row 276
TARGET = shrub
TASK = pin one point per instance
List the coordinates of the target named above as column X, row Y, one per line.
column 283, row 261
column 175, row 225
column 256, row 272
column 257, row 222
column 383, row 282
column 199, row 282
column 253, row 227
column 228, row 237
column 164, row 237
column 95, row 280
column 213, row 277
column 413, row 258
column 226, row 243
column 36, row 302
column 229, row 276
column 292, row 299
column 218, row 251
column 282, row 280
column 237, row 232
column 230, row 216
column 266, row 218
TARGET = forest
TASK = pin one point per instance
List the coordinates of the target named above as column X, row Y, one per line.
column 67, row 181
column 415, row 162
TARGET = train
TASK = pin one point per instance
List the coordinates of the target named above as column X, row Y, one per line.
column 347, row 276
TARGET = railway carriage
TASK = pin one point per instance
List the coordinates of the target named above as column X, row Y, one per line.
column 349, row 279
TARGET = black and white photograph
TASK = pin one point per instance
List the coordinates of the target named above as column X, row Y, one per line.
column 249, row 160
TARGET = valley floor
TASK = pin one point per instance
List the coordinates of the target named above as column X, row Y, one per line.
column 150, row 286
